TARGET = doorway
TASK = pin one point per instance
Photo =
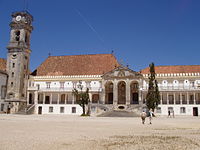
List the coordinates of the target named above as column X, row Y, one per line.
column 195, row 111
column 47, row 100
column 135, row 98
column 110, row 98
column 40, row 110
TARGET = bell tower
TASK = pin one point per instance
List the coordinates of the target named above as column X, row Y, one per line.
column 18, row 60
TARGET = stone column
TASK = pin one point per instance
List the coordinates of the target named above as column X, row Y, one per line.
column 51, row 98
column 103, row 93
column 44, row 98
column 128, row 100
column 181, row 99
column 58, row 98
column 115, row 93
column 167, row 98
column 66, row 95
column 36, row 97
column 90, row 97
column 174, row 98
column 73, row 98
column 187, row 98
column 161, row 98
column 194, row 98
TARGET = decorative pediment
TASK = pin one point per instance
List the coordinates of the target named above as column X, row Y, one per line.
column 121, row 72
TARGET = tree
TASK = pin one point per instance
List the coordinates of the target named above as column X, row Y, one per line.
column 82, row 98
column 153, row 95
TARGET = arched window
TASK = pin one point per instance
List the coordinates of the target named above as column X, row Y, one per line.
column 17, row 35
column 109, row 93
column 134, row 92
column 27, row 39
column 121, row 92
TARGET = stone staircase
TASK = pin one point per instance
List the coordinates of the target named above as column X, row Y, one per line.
column 102, row 110
column 115, row 113
column 26, row 110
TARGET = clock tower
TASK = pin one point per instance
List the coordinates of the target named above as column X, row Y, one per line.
column 18, row 60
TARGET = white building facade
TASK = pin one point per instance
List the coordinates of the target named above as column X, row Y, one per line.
column 179, row 90
column 112, row 87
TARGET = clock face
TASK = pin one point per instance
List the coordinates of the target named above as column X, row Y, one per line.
column 18, row 18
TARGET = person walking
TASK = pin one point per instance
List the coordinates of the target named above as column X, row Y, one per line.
column 150, row 116
column 143, row 116
column 169, row 113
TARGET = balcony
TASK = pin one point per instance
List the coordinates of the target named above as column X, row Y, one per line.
column 67, row 89
column 171, row 87
column 33, row 88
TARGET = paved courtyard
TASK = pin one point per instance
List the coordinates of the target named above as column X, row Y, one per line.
column 53, row 132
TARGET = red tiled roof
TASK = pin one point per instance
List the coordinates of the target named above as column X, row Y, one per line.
column 2, row 64
column 96, row 64
column 174, row 69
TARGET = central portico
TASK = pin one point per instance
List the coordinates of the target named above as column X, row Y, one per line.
column 122, row 88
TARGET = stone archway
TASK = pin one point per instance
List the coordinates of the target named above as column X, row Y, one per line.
column 134, row 94
column 121, row 92
column 109, row 93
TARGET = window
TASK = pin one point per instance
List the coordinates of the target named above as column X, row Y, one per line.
column 95, row 98
column 2, row 107
column 12, row 74
column 171, row 109
column 3, row 91
column 11, row 84
column 182, row 110
column 13, row 65
column 73, row 110
column 48, row 85
column 17, row 35
column 62, row 109
column 158, row 110
column 50, row 109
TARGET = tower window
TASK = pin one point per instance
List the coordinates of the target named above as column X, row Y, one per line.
column 26, row 39
column 11, row 84
column 12, row 74
column 13, row 65
column 17, row 35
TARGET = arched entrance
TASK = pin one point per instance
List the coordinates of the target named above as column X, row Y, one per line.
column 134, row 92
column 109, row 93
column 121, row 92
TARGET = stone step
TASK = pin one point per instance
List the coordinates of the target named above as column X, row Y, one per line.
column 115, row 113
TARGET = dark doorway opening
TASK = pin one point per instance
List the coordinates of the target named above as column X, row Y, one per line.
column 110, row 98
column 30, row 99
column 39, row 110
column 135, row 98
column 47, row 99
column 195, row 111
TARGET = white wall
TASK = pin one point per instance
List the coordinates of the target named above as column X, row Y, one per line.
column 176, row 108
column 56, row 109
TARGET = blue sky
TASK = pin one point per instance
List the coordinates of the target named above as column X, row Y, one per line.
column 166, row 32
